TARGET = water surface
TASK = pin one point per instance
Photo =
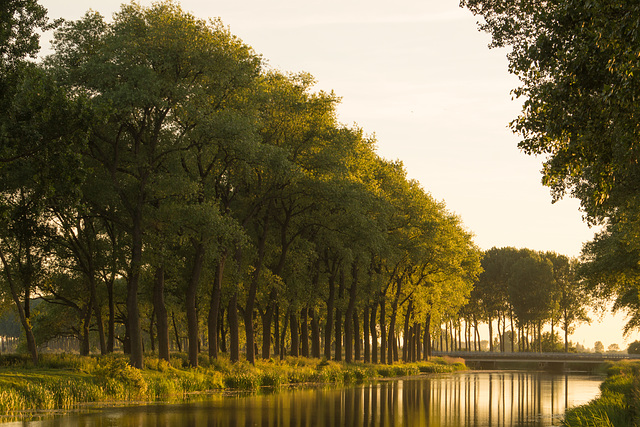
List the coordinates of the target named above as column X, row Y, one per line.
column 467, row 399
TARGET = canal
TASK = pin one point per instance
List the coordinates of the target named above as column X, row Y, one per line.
column 469, row 399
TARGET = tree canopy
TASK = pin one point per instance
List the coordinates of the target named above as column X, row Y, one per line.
column 173, row 183
column 578, row 67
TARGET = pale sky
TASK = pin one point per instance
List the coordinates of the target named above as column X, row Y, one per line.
column 419, row 75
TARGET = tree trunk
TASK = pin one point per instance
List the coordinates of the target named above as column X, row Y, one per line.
column 339, row 337
column 190, row 302
column 418, row 350
column 391, row 334
column 162, row 322
column 513, row 332
column 427, row 338
column 151, row 335
column 98, row 313
column 223, row 335
column 374, row 333
column 175, row 331
column 396, row 344
column 338, row 340
column 540, row 336
column 283, row 337
column 490, row 334
column 500, row 336
column 406, row 347
column 315, row 334
column 249, row 333
column 304, row 332
column 565, row 327
column 348, row 318
column 329, row 324
column 383, row 331
column 295, row 336
column 266, row 318
column 111, row 335
column 86, row 322
column 366, row 334
column 214, row 308
column 133, row 314
column 276, row 331
column 356, row 336
column 392, row 352
column 234, row 329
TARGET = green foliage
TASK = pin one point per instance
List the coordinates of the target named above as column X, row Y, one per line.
column 634, row 348
column 400, row 370
column 533, row 288
column 242, row 380
column 617, row 404
column 550, row 343
column 20, row 24
column 577, row 62
column 116, row 370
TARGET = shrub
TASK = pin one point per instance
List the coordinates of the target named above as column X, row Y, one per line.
column 118, row 369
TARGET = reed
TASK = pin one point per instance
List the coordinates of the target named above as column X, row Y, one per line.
column 63, row 381
column 618, row 404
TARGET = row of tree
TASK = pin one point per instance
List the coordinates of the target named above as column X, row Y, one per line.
column 519, row 292
column 152, row 165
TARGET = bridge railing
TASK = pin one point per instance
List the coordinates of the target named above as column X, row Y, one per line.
column 533, row 355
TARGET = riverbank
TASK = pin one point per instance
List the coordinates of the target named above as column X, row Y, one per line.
column 62, row 382
column 618, row 404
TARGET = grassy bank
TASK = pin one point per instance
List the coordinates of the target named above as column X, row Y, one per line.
column 61, row 382
column 619, row 401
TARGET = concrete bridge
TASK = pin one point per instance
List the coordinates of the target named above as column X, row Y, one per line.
column 580, row 362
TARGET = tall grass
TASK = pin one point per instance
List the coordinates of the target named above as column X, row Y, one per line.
column 63, row 381
column 618, row 404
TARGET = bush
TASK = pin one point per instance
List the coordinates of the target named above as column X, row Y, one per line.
column 117, row 368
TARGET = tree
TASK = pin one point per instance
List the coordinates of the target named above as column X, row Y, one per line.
column 577, row 62
column 634, row 348
column 570, row 295
column 609, row 266
column 598, row 347
column 29, row 123
column 143, row 77
column 39, row 130
column 530, row 291
column 491, row 290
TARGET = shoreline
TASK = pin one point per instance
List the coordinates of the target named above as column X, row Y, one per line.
column 65, row 383
column 618, row 404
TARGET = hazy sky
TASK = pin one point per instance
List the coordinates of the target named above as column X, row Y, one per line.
column 418, row 75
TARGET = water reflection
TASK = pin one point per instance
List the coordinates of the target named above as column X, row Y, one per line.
column 466, row 399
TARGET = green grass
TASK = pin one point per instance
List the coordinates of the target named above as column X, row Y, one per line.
column 64, row 381
column 618, row 404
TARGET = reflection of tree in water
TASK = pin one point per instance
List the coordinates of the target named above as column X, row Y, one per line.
column 473, row 399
